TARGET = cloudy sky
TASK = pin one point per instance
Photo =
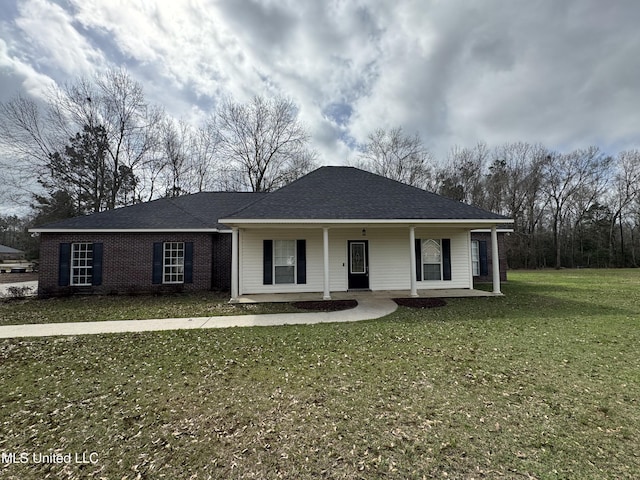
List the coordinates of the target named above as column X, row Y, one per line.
column 564, row 73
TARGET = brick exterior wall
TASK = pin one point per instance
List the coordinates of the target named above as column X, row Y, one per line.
column 221, row 262
column 128, row 262
column 502, row 256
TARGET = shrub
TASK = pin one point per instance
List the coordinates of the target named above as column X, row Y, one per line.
column 18, row 292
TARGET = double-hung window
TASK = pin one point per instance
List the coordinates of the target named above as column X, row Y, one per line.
column 284, row 261
column 475, row 258
column 173, row 262
column 81, row 264
column 431, row 259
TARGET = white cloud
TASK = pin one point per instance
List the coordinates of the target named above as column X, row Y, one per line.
column 18, row 76
column 457, row 72
column 53, row 40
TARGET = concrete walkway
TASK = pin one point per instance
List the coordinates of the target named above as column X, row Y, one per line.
column 367, row 309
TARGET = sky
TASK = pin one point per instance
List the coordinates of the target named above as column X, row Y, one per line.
column 456, row 72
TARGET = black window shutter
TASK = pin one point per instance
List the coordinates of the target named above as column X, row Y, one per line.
column 446, row 259
column 96, row 274
column 64, row 264
column 482, row 253
column 301, row 256
column 418, row 247
column 267, row 262
column 157, row 263
column 188, row 262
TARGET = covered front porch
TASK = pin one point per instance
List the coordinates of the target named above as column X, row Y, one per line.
column 391, row 262
column 311, row 296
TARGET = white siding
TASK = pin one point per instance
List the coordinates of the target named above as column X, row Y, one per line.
column 460, row 257
column 252, row 257
column 389, row 258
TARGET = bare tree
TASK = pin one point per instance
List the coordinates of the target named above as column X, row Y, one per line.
column 463, row 177
column 514, row 188
column 23, row 130
column 175, row 151
column 112, row 100
column 396, row 155
column 573, row 181
column 623, row 195
column 26, row 144
column 262, row 143
column 205, row 165
column 633, row 223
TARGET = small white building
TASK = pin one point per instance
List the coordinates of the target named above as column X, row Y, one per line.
column 8, row 253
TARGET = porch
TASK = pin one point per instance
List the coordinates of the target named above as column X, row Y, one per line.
column 385, row 257
column 354, row 295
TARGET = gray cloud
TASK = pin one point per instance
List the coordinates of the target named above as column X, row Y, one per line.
column 456, row 72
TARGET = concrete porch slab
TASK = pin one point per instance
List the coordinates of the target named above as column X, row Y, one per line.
column 315, row 296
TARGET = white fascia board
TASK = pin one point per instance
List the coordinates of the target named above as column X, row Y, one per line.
column 333, row 221
column 127, row 230
column 488, row 230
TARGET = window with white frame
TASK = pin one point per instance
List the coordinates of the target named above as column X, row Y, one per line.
column 431, row 259
column 81, row 263
column 173, row 262
column 284, row 261
column 475, row 258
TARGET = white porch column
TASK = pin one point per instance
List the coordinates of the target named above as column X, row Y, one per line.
column 412, row 255
column 325, row 247
column 234, row 264
column 495, row 259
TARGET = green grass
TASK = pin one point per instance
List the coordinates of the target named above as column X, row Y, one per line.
column 92, row 308
column 542, row 383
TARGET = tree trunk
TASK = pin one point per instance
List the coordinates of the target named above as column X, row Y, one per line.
column 622, row 255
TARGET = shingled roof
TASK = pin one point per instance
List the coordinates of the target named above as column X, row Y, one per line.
column 199, row 211
column 350, row 193
column 328, row 193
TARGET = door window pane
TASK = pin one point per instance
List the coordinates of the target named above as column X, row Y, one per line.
column 358, row 258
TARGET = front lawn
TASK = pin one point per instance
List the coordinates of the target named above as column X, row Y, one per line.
column 542, row 383
column 92, row 308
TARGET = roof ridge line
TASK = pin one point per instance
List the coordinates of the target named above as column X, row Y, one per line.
column 262, row 197
column 172, row 201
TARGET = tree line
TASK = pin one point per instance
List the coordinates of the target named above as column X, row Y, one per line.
column 96, row 144
column 574, row 209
